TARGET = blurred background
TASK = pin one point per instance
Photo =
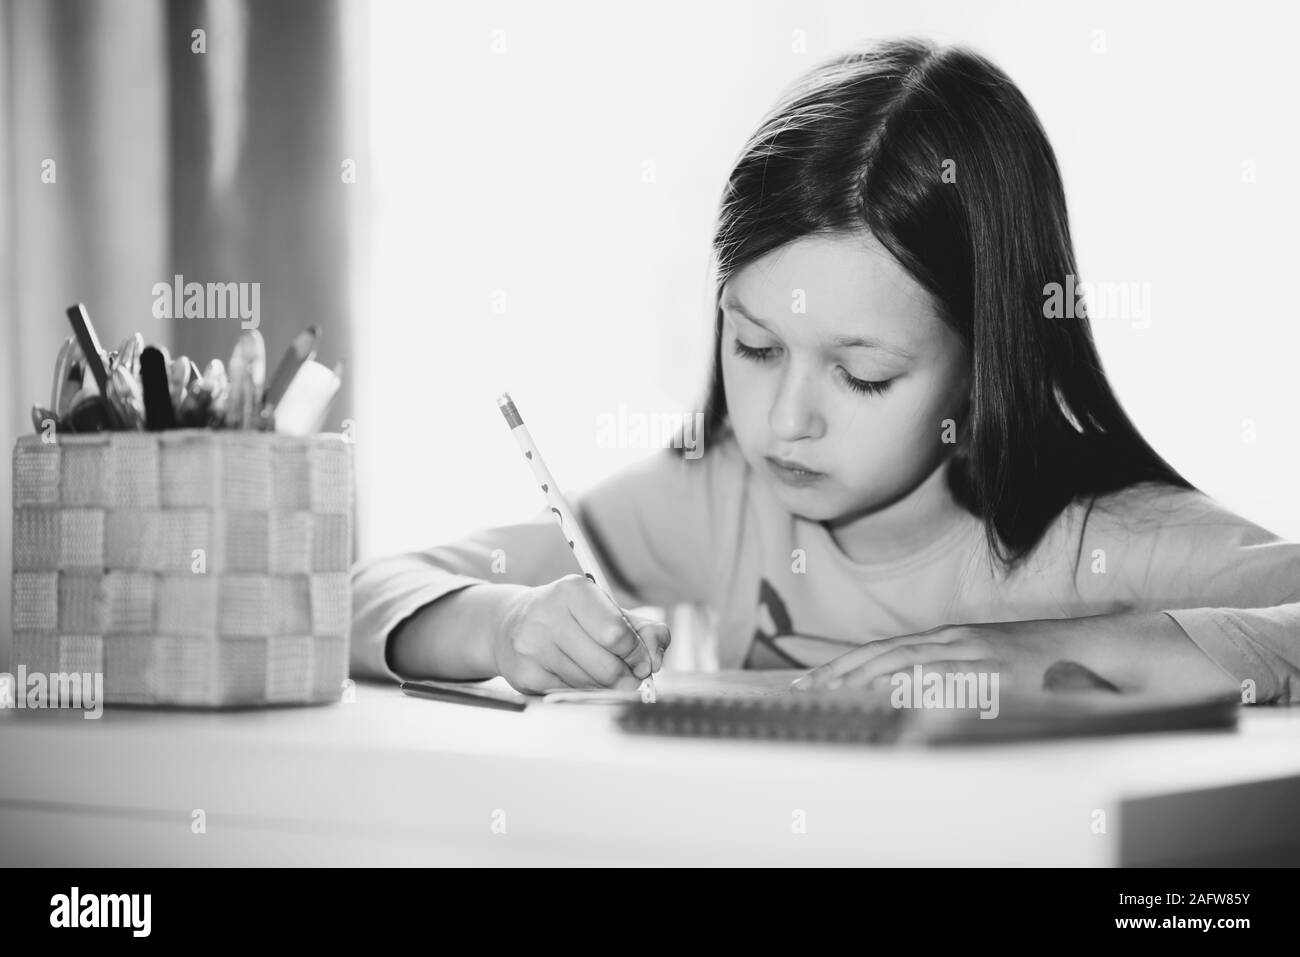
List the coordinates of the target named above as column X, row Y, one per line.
column 478, row 197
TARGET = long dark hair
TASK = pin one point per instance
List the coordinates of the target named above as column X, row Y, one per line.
column 862, row 141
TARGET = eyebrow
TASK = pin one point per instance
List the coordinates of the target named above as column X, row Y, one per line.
column 866, row 342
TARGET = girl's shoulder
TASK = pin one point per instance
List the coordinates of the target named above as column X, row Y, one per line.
column 1156, row 546
column 1153, row 538
column 1135, row 526
column 1161, row 508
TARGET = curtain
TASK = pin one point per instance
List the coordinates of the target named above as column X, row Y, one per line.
column 133, row 149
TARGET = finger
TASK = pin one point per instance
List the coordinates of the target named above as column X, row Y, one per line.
column 882, row 646
column 641, row 658
column 886, row 682
column 859, row 657
column 647, row 640
column 534, row 679
column 602, row 666
column 834, row 668
column 903, row 659
column 655, row 634
column 603, row 620
column 560, row 663
column 622, row 678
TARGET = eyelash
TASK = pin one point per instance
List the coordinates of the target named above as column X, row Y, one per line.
column 861, row 386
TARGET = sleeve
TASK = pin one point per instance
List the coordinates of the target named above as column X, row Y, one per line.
column 1261, row 645
column 1233, row 587
column 651, row 525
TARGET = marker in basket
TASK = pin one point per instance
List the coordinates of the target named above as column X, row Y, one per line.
column 568, row 523
column 158, row 410
column 94, row 356
column 89, row 342
column 302, row 349
column 306, row 401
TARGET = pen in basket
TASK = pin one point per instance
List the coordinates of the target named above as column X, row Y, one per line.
column 139, row 388
column 93, row 355
column 302, row 349
column 247, row 371
column 569, row 525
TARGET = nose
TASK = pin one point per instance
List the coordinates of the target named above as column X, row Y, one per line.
column 795, row 413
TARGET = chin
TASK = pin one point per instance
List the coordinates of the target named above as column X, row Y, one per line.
column 810, row 504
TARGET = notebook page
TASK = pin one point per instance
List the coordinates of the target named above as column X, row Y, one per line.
column 736, row 683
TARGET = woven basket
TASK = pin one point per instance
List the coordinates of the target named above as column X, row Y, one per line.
column 190, row 567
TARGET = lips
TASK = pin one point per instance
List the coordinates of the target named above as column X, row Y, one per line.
column 792, row 465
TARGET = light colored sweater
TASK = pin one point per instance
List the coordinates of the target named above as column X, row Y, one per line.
column 784, row 595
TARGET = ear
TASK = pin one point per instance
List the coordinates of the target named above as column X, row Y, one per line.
column 963, row 420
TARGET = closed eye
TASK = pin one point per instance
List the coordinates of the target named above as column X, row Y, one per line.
column 752, row 353
column 865, row 386
column 860, row 386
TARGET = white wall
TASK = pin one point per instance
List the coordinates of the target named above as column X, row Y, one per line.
column 523, row 171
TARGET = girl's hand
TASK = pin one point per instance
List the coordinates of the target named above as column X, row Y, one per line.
column 1118, row 652
column 569, row 634
column 1019, row 652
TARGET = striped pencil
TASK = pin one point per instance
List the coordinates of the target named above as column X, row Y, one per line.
column 568, row 522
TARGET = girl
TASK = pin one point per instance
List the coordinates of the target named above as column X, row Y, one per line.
column 909, row 459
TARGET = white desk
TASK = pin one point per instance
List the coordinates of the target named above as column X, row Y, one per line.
column 391, row 779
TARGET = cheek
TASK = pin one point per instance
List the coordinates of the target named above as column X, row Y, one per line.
column 927, row 433
column 902, row 429
column 739, row 400
column 742, row 389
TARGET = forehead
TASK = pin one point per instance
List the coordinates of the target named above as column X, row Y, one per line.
column 846, row 284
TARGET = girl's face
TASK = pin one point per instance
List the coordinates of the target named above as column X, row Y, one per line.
column 834, row 359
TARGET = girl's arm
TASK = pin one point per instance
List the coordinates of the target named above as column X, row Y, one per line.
column 656, row 527
column 1258, row 647
column 1121, row 651
column 1231, row 587
column 459, row 619
column 1174, row 593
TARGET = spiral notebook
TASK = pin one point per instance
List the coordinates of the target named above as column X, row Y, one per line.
column 870, row 718
column 760, row 705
